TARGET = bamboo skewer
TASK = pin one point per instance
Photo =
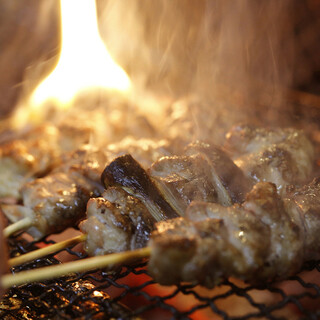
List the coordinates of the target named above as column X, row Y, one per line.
column 36, row 254
column 87, row 264
column 20, row 225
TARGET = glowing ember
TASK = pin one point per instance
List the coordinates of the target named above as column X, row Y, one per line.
column 84, row 60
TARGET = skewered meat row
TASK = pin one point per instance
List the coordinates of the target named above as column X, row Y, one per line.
column 263, row 239
column 58, row 200
column 35, row 153
column 282, row 156
column 124, row 216
column 30, row 154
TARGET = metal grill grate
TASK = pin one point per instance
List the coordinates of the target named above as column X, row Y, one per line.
column 129, row 293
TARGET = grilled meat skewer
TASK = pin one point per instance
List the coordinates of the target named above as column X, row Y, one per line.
column 58, row 200
column 204, row 173
column 265, row 238
column 282, row 156
column 123, row 218
column 35, row 153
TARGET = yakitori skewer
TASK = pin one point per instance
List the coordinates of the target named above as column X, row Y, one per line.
column 18, row 226
column 110, row 227
column 123, row 218
column 57, row 201
column 55, row 271
column 54, row 248
column 264, row 239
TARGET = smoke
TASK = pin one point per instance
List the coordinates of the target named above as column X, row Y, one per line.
column 28, row 34
column 242, row 51
column 207, row 47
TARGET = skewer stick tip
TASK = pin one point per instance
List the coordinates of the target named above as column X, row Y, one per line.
column 20, row 225
column 36, row 254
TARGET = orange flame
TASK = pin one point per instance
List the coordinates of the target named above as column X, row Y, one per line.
column 84, row 64
column 84, row 61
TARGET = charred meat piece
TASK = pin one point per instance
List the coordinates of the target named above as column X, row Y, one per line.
column 260, row 240
column 59, row 199
column 281, row 156
column 116, row 222
column 126, row 172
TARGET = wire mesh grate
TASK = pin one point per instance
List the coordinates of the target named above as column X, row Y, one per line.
column 129, row 293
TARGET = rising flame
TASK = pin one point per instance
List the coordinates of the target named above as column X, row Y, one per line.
column 84, row 61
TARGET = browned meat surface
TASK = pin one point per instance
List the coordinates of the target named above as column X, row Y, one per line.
column 59, row 199
column 145, row 151
column 35, row 153
column 244, row 138
column 304, row 204
column 24, row 158
column 111, row 119
column 281, row 156
column 182, row 179
column 206, row 173
column 263, row 239
column 227, row 177
column 88, row 161
column 116, row 222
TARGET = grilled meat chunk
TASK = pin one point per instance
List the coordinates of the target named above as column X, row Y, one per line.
column 304, row 205
column 126, row 172
column 24, row 158
column 227, row 177
column 260, row 240
column 206, row 173
column 182, row 179
column 59, row 199
column 244, row 138
column 116, row 222
column 35, row 153
column 145, row 151
column 281, row 156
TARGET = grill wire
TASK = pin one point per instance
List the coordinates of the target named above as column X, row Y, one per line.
column 84, row 295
